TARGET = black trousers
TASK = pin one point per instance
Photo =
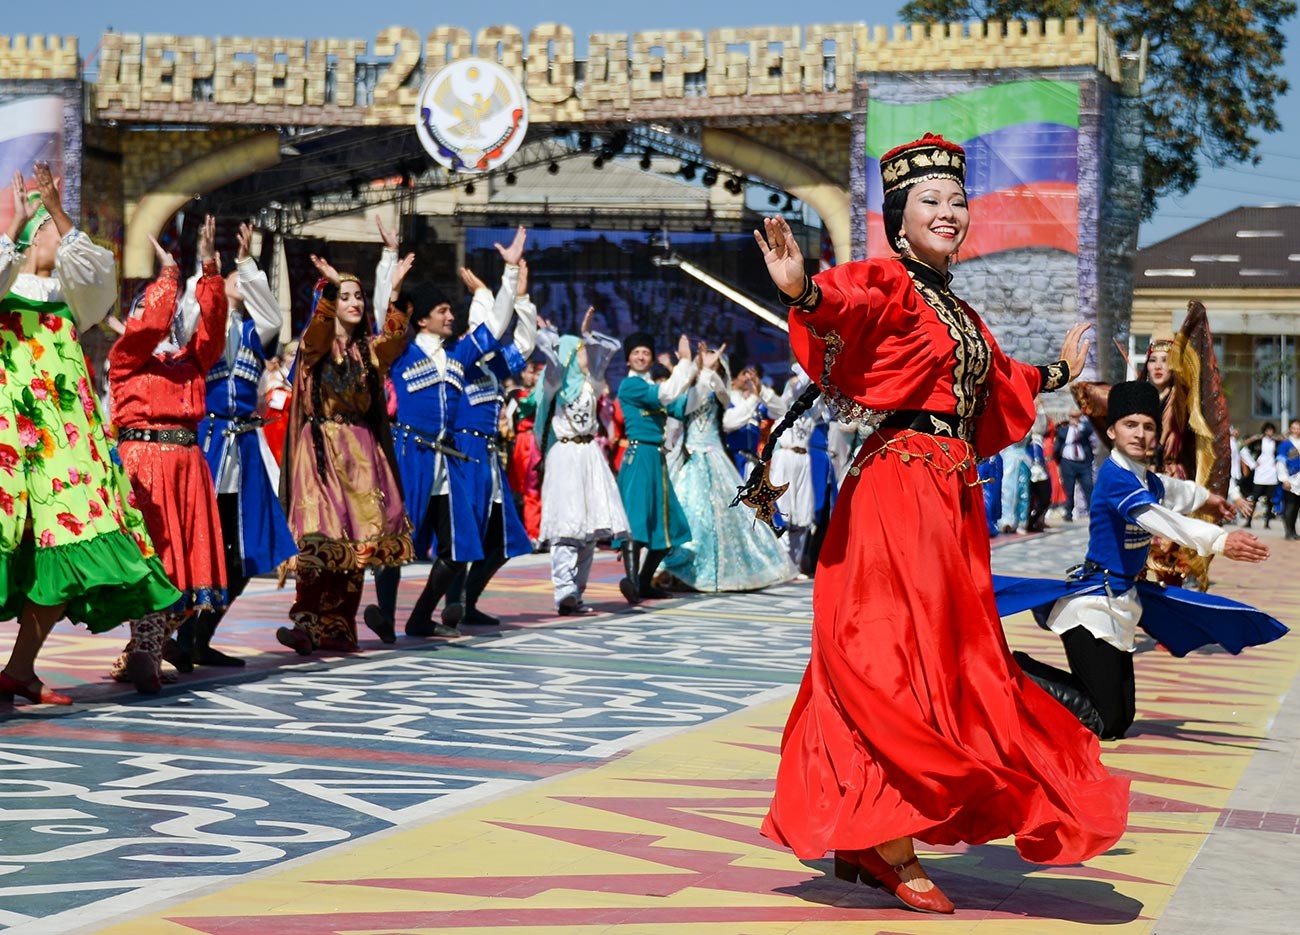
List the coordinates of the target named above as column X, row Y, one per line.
column 388, row 578
column 1040, row 499
column 1290, row 510
column 1107, row 676
column 236, row 581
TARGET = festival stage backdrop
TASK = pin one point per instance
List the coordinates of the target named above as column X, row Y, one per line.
column 1022, row 151
column 614, row 271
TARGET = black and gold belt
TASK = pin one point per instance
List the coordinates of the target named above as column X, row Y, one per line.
column 490, row 439
column 339, row 418
column 171, row 436
column 633, row 443
column 577, row 439
column 927, row 422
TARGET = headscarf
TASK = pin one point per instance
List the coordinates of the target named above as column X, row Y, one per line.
column 571, row 382
column 34, row 223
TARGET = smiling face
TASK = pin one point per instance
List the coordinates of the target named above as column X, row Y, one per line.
column 640, row 359
column 440, row 322
column 935, row 220
column 351, row 304
column 1134, row 436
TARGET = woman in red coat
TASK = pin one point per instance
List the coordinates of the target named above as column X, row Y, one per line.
column 159, row 396
column 913, row 722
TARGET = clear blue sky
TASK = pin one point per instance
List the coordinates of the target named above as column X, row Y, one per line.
column 1276, row 179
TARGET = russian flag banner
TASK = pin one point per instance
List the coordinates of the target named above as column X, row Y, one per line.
column 31, row 129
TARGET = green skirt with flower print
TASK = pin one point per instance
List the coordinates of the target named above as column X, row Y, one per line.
column 69, row 532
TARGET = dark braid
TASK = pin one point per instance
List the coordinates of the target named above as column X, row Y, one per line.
column 801, row 405
column 318, row 413
column 758, row 476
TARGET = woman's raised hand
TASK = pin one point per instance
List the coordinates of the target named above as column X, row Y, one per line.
column 586, row 320
column 399, row 272
column 388, row 237
column 1075, row 349
column 208, row 239
column 23, row 209
column 521, row 286
column 683, row 348
column 165, row 259
column 712, row 357
column 48, row 188
column 324, row 268
column 782, row 255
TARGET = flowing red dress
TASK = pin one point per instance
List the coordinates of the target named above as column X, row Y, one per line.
column 912, row 719
column 172, row 484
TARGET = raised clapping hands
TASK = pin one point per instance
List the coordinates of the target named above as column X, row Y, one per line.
column 515, row 252
column 709, row 359
column 782, row 255
column 164, row 258
column 245, row 239
column 521, row 287
column 388, row 237
column 1241, row 546
column 472, row 282
column 23, row 209
column 399, row 273
column 324, row 268
column 1075, row 349
column 586, row 320
column 683, row 348
column 208, row 241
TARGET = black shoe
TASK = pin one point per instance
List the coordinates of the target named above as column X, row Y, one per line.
column 476, row 618
column 653, row 593
column 421, row 626
column 380, row 624
column 207, row 656
column 453, row 614
column 295, row 639
column 627, row 587
column 568, row 605
column 1072, row 699
column 181, row 660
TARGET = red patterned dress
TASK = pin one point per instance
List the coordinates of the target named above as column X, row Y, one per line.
column 158, row 400
column 912, row 719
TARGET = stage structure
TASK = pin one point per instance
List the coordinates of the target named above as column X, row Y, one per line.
column 1048, row 110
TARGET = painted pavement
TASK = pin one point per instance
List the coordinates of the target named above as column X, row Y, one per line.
column 603, row 775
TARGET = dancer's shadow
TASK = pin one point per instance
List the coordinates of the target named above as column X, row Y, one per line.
column 986, row 880
column 1199, row 731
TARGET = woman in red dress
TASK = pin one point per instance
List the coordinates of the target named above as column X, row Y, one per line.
column 913, row 722
column 159, row 396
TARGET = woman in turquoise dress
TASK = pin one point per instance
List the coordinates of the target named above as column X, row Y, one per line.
column 728, row 550
column 72, row 543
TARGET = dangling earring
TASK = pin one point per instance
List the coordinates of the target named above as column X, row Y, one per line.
column 904, row 248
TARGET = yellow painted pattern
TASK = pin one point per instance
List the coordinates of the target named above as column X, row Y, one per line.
column 665, row 838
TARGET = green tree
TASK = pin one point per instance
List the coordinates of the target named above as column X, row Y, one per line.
column 1212, row 72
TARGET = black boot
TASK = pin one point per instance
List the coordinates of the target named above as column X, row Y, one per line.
column 204, row 655
column 1065, row 688
column 441, row 576
column 453, row 612
column 645, row 580
column 628, row 584
column 380, row 617
column 476, row 583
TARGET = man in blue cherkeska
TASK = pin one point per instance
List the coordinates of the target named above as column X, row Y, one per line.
column 256, row 535
column 655, row 518
column 1097, row 609
column 1288, row 476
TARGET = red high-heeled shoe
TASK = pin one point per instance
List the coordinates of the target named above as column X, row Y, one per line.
column 39, row 695
column 874, row 871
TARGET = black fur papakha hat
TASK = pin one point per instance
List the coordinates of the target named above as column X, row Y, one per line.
column 1135, row 397
column 638, row 339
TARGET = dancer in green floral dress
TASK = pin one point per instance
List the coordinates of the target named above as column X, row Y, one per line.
column 72, row 543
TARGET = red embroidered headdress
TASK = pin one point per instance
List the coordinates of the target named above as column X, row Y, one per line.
column 930, row 157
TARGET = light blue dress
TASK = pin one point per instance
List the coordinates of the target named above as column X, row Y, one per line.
column 728, row 550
